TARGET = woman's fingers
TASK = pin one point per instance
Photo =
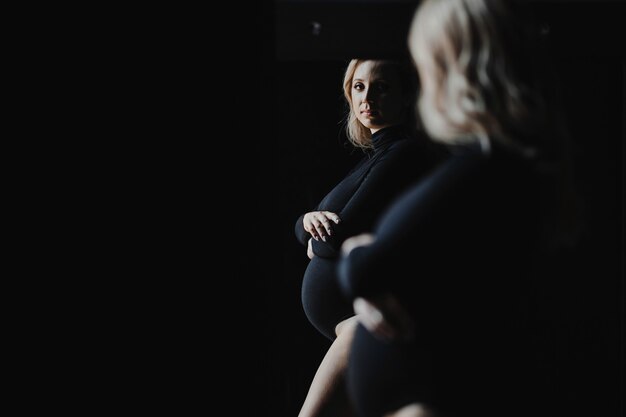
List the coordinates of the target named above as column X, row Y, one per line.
column 324, row 224
column 349, row 244
column 323, row 227
column 372, row 319
column 309, row 250
column 332, row 216
column 320, row 224
column 387, row 319
column 309, row 224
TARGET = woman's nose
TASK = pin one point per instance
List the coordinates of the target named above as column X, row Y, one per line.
column 368, row 97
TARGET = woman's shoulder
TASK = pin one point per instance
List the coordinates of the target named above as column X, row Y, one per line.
column 404, row 144
column 406, row 141
column 422, row 148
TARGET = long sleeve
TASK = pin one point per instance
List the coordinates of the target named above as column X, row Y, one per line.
column 401, row 232
column 395, row 170
column 301, row 234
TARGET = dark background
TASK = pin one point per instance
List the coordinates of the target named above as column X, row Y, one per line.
column 238, row 111
column 307, row 154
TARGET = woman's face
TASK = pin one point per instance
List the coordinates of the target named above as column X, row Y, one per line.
column 377, row 98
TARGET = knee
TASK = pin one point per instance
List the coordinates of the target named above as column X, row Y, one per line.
column 412, row 410
column 346, row 327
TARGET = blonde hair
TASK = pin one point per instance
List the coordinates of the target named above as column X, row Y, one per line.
column 484, row 74
column 359, row 135
column 463, row 47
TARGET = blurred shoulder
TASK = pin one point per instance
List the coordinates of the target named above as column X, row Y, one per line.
column 427, row 149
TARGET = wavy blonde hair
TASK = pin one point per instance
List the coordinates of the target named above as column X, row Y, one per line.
column 482, row 74
column 359, row 135
column 463, row 49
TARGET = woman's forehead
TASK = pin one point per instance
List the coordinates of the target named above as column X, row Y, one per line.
column 375, row 69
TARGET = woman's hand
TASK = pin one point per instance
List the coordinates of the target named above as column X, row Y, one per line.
column 309, row 250
column 363, row 239
column 385, row 318
column 319, row 223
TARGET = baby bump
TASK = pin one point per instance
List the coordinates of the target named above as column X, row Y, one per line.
column 324, row 304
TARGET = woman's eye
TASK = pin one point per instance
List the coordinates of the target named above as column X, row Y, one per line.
column 359, row 86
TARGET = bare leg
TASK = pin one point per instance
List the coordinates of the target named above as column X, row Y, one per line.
column 327, row 396
column 412, row 410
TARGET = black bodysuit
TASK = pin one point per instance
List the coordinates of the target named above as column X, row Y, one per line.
column 455, row 249
column 397, row 160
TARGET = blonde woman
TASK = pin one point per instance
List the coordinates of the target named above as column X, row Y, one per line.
column 380, row 121
column 439, row 287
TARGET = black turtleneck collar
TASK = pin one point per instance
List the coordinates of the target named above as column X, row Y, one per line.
column 388, row 134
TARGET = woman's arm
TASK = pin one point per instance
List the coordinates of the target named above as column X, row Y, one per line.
column 364, row 271
column 315, row 224
column 383, row 315
column 392, row 174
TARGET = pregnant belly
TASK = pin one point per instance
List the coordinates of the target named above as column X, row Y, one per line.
column 322, row 300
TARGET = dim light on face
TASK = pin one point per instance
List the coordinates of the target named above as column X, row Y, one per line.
column 377, row 98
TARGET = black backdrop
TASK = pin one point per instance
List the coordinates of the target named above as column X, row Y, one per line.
column 308, row 155
column 239, row 114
